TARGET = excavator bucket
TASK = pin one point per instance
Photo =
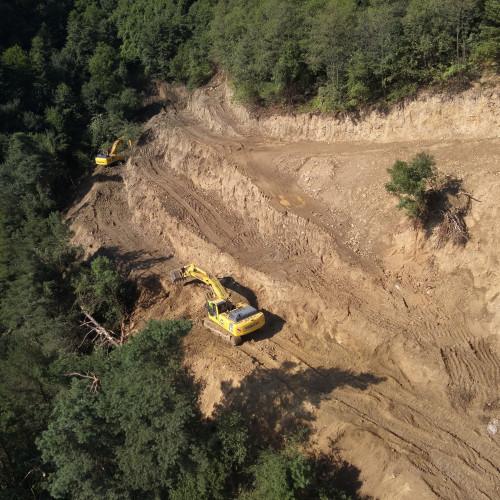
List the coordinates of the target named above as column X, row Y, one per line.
column 176, row 275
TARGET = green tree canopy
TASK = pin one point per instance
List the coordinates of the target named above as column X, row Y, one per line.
column 489, row 47
column 259, row 43
column 100, row 291
column 151, row 32
column 134, row 434
column 279, row 475
column 409, row 183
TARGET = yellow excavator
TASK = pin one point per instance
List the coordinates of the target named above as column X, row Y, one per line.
column 236, row 319
column 111, row 156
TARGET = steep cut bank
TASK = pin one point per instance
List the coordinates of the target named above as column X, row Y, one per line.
column 385, row 344
column 472, row 114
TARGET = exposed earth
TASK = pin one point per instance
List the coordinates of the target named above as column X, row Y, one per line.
column 383, row 341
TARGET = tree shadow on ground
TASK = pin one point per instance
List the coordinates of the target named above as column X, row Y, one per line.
column 133, row 260
column 281, row 400
column 333, row 472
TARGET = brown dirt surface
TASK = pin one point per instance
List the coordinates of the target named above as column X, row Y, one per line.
column 383, row 341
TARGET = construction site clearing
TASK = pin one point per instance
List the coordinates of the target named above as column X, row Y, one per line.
column 380, row 336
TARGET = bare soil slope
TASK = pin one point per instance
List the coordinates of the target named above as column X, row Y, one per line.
column 384, row 343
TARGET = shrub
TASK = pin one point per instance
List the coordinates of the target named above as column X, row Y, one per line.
column 409, row 182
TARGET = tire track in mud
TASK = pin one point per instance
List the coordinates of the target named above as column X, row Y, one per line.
column 439, row 438
column 114, row 219
column 213, row 220
column 274, row 234
column 479, row 365
column 474, row 373
column 473, row 368
column 435, row 441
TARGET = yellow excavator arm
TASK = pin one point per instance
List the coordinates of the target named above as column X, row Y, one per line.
column 114, row 147
column 192, row 270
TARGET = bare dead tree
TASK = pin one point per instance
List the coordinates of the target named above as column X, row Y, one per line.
column 107, row 336
column 94, row 386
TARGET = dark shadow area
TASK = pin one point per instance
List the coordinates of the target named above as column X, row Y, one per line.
column 193, row 281
column 129, row 261
column 107, row 178
column 151, row 109
column 446, row 209
column 145, row 138
column 232, row 285
column 156, row 107
column 439, row 201
column 274, row 324
column 333, row 473
column 129, row 295
column 152, row 287
column 279, row 401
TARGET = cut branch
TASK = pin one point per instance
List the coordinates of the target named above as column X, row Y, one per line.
column 469, row 196
column 94, row 326
column 453, row 228
column 94, row 386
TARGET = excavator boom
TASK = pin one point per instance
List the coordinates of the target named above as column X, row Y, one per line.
column 114, row 147
column 191, row 270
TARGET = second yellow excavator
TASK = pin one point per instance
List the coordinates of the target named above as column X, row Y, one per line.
column 111, row 156
column 237, row 319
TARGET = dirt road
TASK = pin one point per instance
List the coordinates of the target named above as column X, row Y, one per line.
column 384, row 343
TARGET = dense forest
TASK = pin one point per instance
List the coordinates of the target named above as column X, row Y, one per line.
column 81, row 417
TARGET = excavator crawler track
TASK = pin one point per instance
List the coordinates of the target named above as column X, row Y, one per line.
column 223, row 333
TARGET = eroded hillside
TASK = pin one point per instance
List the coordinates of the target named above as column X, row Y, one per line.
column 384, row 343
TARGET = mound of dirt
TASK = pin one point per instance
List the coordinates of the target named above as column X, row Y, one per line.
column 382, row 340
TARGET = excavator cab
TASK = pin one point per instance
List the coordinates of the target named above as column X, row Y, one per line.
column 216, row 307
column 212, row 309
column 221, row 306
